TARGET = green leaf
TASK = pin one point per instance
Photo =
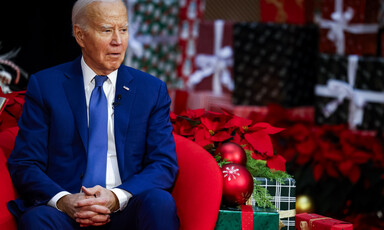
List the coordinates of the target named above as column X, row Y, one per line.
column 221, row 162
column 259, row 168
column 262, row 196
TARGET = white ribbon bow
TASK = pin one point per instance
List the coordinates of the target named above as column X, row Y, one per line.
column 343, row 90
column 216, row 64
column 339, row 24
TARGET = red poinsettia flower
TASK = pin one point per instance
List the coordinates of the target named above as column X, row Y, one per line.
column 238, row 123
column 258, row 137
column 201, row 136
column 213, row 124
column 193, row 114
column 173, row 116
column 276, row 162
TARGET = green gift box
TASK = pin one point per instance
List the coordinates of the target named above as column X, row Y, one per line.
column 283, row 197
column 153, row 45
column 232, row 218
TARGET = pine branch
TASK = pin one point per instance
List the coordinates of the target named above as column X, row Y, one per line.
column 262, row 196
column 221, row 162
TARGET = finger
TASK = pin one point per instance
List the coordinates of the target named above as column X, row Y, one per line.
column 101, row 209
column 96, row 208
column 91, row 201
column 84, row 222
column 86, row 202
column 100, row 218
column 95, row 220
column 99, row 224
column 85, row 214
column 94, row 224
column 87, row 191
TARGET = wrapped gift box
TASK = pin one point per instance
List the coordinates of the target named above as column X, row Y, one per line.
column 214, row 59
column 274, row 63
column 190, row 15
column 235, row 11
column 236, row 219
column 350, row 89
column 357, row 20
column 283, row 197
column 209, row 101
column 288, row 11
column 306, row 221
column 153, row 45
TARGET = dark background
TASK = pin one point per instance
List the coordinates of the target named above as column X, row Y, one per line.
column 42, row 29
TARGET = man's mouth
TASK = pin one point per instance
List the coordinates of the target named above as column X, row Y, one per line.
column 114, row 54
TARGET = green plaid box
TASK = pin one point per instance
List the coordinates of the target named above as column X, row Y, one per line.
column 283, row 197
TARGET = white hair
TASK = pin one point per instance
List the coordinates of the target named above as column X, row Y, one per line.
column 79, row 11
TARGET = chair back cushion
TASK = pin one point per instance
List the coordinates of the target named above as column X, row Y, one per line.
column 7, row 191
column 198, row 187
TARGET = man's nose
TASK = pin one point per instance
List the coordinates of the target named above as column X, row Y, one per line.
column 116, row 38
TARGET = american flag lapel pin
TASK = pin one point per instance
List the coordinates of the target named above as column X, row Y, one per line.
column 126, row 88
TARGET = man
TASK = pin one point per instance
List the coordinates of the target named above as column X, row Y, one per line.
column 95, row 145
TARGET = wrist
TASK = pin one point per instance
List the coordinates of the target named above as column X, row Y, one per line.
column 115, row 206
column 60, row 203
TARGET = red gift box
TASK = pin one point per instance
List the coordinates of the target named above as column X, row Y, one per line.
column 190, row 14
column 349, row 26
column 214, row 59
column 306, row 221
column 288, row 11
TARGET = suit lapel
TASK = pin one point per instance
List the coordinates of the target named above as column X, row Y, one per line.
column 74, row 89
column 126, row 91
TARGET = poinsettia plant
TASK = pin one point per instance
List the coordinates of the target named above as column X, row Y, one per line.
column 328, row 159
column 334, row 150
column 211, row 129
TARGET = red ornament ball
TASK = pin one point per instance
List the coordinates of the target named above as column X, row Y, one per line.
column 232, row 152
column 237, row 184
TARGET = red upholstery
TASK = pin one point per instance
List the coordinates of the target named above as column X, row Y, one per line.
column 7, row 192
column 8, row 132
column 198, row 188
column 7, row 140
column 197, row 192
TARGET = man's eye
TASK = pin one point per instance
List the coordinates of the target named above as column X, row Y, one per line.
column 124, row 30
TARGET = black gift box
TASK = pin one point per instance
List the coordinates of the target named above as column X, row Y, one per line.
column 369, row 78
column 274, row 63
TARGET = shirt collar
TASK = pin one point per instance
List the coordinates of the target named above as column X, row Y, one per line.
column 89, row 74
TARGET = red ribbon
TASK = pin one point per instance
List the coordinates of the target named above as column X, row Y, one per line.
column 246, row 217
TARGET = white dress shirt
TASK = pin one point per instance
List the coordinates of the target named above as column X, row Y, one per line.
column 112, row 175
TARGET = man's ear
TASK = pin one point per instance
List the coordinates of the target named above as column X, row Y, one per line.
column 79, row 35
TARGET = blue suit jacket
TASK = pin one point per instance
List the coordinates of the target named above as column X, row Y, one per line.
column 50, row 153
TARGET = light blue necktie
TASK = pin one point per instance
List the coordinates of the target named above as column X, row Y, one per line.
column 98, row 136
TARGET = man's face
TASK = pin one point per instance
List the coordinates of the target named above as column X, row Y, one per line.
column 105, row 40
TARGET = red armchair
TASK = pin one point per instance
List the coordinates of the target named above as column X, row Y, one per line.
column 7, row 193
column 197, row 191
column 198, row 188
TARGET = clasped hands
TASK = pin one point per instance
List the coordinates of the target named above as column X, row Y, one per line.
column 90, row 208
